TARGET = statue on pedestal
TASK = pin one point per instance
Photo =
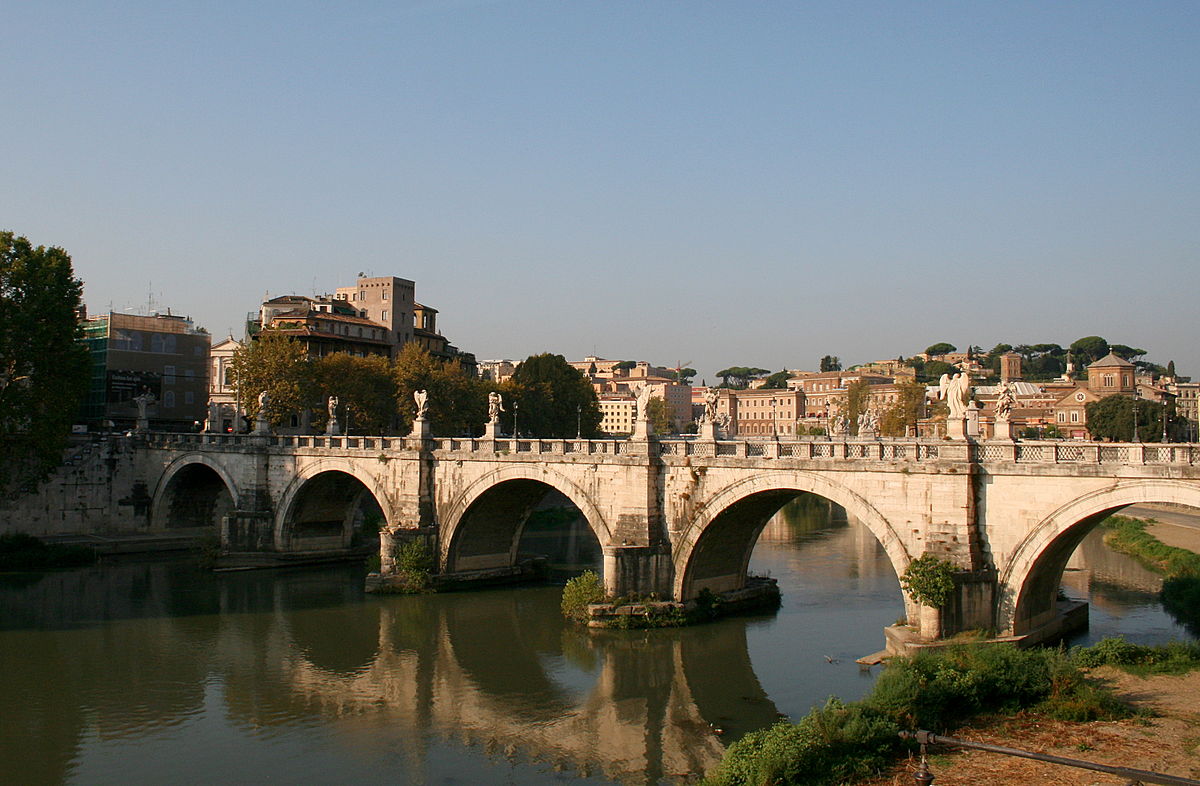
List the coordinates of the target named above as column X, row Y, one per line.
column 495, row 406
column 1004, row 402
column 958, row 392
column 422, row 399
column 642, row 402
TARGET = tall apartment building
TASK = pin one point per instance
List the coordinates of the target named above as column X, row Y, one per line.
column 376, row 316
column 163, row 355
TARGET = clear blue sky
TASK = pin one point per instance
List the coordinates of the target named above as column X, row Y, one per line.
column 727, row 183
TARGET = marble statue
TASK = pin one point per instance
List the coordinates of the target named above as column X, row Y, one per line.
column 1004, row 402
column 643, row 402
column 710, row 406
column 422, row 399
column 958, row 391
column 495, row 406
column 332, row 405
column 263, row 401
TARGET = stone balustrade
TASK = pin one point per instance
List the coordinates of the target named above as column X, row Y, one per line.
column 883, row 449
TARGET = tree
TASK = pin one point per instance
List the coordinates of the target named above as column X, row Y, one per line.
column 275, row 364
column 365, row 387
column 738, row 377
column 831, row 363
column 684, row 375
column 858, row 398
column 626, row 365
column 778, row 380
column 552, row 399
column 1112, row 417
column 1126, row 352
column 908, row 408
column 44, row 366
column 457, row 401
column 939, row 349
column 660, row 415
column 933, row 370
column 1088, row 349
column 1171, row 369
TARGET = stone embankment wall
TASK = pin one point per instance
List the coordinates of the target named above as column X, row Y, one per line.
column 96, row 490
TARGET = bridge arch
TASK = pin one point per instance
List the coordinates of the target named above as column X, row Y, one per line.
column 1029, row 583
column 481, row 527
column 320, row 503
column 194, row 490
column 716, row 546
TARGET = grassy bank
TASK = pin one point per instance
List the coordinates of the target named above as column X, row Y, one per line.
column 842, row 743
column 1180, row 568
column 19, row 551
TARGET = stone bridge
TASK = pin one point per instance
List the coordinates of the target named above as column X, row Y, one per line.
column 677, row 516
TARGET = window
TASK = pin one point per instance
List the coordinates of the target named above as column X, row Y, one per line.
column 385, row 294
column 1075, row 416
column 168, row 375
column 1061, row 417
column 189, row 397
column 169, row 399
column 385, row 315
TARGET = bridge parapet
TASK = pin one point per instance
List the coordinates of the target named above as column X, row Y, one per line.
column 1060, row 452
column 549, row 447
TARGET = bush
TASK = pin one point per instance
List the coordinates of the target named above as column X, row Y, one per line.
column 1181, row 598
column 929, row 580
column 833, row 744
column 934, row 690
column 19, row 551
column 578, row 593
column 1129, row 536
column 1173, row 658
column 414, row 568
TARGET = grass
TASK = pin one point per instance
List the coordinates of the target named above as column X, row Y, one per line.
column 1180, row 567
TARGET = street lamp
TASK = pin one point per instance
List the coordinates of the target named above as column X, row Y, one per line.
column 1135, row 417
column 579, row 422
column 1164, row 434
column 774, row 421
column 516, row 433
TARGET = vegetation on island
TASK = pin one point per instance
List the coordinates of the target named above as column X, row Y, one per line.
column 44, row 366
column 929, row 580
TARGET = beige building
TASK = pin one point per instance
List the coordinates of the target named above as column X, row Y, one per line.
column 761, row 413
column 220, row 383
column 617, row 414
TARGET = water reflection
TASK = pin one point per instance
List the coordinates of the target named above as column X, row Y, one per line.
column 161, row 672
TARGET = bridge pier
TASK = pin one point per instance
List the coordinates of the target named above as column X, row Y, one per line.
column 637, row 570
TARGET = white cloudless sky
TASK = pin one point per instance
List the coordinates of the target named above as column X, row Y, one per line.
column 723, row 183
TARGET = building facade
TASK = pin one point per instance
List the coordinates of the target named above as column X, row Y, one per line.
column 161, row 356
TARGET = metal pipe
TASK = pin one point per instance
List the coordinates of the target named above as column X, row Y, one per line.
column 1143, row 776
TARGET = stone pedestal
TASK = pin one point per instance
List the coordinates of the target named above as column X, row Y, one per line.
column 422, row 430
column 143, row 424
column 956, row 428
column 973, row 420
column 708, row 431
column 1002, row 429
column 642, row 430
column 333, row 428
column 492, row 430
column 261, row 426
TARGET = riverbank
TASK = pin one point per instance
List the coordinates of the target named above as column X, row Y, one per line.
column 1167, row 740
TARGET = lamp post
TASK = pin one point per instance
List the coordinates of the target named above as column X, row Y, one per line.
column 1135, row 418
column 1164, row 434
column 516, row 434
column 774, row 421
column 579, row 421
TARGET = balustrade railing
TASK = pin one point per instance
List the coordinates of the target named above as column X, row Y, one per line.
column 885, row 449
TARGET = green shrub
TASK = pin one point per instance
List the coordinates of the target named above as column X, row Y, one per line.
column 414, row 568
column 579, row 592
column 934, row 690
column 929, row 580
column 1173, row 658
column 1129, row 536
column 832, row 744
column 1181, row 598
column 19, row 551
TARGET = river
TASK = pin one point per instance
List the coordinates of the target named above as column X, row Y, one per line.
column 157, row 671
